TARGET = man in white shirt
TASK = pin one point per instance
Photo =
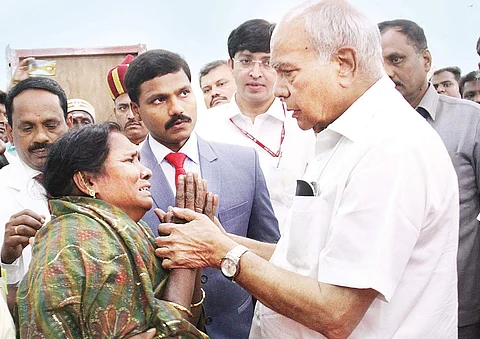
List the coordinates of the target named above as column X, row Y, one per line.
column 371, row 248
column 254, row 118
column 36, row 111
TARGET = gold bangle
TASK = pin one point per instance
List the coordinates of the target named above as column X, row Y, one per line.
column 201, row 300
column 181, row 308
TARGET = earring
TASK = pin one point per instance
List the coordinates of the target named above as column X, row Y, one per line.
column 91, row 192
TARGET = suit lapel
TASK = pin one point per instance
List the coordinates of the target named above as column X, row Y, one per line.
column 161, row 192
column 209, row 171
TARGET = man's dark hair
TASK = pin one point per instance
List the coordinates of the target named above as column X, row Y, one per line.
column 207, row 68
column 472, row 76
column 253, row 35
column 456, row 71
column 3, row 97
column 411, row 29
column 78, row 150
column 152, row 64
column 40, row 83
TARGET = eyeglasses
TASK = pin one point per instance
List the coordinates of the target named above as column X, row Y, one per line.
column 248, row 63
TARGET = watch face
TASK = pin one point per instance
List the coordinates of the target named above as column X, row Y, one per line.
column 228, row 267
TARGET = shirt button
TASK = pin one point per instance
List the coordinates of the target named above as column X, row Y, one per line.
column 203, row 278
column 208, row 320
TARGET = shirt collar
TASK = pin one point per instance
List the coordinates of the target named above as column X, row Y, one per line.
column 357, row 117
column 31, row 173
column 276, row 109
column 190, row 148
column 429, row 101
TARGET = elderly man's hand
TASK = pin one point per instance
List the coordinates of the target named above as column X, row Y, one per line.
column 198, row 243
column 18, row 230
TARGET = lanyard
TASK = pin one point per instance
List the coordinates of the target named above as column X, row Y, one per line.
column 259, row 143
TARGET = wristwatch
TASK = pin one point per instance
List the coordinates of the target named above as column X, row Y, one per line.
column 230, row 264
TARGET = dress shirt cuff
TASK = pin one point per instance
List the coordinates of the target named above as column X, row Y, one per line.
column 15, row 271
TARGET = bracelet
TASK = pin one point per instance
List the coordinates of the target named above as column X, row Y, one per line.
column 181, row 308
column 201, row 300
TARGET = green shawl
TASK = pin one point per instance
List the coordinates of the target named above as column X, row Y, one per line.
column 94, row 274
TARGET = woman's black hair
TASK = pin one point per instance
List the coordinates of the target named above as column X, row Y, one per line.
column 79, row 150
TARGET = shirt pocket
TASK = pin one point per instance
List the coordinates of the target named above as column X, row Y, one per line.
column 307, row 234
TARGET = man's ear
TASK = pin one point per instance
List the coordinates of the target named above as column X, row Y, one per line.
column 85, row 182
column 347, row 60
column 69, row 121
column 136, row 111
column 10, row 134
column 427, row 60
column 230, row 64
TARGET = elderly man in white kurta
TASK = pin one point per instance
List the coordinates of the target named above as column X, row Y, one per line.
column 370, row 250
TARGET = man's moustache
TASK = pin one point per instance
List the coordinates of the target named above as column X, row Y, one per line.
column 219, row 97
column 132, row 122
column 39, row 145
column 170, row 123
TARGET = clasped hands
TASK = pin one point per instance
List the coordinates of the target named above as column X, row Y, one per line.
column 190, row 232
column 192, row 194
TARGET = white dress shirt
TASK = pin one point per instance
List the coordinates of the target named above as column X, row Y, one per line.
column 384, row 217
column 280, row 172
column 192, row 162
column 18, row 191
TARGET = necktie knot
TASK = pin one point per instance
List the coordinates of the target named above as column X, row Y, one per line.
column 177, row 160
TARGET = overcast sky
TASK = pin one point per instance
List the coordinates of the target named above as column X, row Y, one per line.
column 198, row 30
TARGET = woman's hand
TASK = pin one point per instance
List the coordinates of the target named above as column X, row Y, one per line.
column 192, row 193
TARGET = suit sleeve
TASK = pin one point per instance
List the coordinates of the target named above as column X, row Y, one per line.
column 263, row 225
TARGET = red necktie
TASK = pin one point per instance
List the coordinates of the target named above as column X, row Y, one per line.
column 176, row 160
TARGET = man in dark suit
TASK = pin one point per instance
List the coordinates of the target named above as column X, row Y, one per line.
column 159, row 85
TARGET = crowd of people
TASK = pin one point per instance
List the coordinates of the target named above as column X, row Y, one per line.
column 329, row 189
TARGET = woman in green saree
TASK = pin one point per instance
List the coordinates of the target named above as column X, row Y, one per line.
column 93, row 272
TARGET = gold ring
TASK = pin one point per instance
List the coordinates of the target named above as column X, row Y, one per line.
column 198, row 210
column 16, row 230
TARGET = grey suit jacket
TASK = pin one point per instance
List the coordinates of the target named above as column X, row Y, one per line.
column 234, row 173
column 457, row 121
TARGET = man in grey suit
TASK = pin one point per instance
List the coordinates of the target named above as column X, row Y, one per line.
column 159, row 85
column 407, row 61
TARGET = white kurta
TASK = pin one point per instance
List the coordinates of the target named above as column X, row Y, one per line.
column 385, row 217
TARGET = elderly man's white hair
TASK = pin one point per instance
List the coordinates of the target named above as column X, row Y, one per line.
column 332, row 24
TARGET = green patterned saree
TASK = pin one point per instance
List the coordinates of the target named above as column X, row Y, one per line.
column 94, row 274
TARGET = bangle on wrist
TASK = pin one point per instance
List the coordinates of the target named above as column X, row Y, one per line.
column 201, row 300
column 181, row 308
